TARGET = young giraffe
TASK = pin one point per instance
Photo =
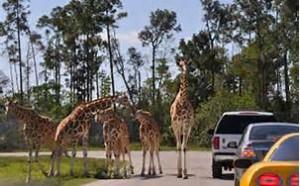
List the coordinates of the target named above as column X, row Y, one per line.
column 150, row 139
column 38, row 130
column 76, row 126
column 116, row 136
column 182, row 120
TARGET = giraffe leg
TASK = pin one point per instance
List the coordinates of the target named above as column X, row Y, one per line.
column 152, row 160
column 144, row 158
column 150, row 163
column 57, row 156
column 36, row 153
column 117, row 160
column 52, row 158
column 184, row 147
column 179, row 167
column 129, row 158
column 28, row 179
column 72, row 161
column 158, row 159
column 85, row 151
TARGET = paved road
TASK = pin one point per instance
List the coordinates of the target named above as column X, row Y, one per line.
column 198, row 169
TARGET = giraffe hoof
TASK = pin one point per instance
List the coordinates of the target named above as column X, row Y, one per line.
column 142, row 174
column 179, row 176
column 185, row 177
column 160, row 172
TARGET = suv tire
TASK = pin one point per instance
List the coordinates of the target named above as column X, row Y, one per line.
column 216, row 170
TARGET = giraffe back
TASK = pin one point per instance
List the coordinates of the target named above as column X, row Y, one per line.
column 40, row 129
column 149, row 128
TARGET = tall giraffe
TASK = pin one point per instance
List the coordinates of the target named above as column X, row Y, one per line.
column 182, row 119
column 38, row 130
column 116, row 136
column 76, row 126
column 150, row 139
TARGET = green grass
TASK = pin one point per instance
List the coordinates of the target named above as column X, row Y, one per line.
column 137, row 146
column 13, row 171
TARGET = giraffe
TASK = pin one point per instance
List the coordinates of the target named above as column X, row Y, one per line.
column 38, row 130
column 182, row 119
column 76, row 126
column 116, row 136
column 150, row 139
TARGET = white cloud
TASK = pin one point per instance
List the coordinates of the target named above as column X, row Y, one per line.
column 129, row 38
column 126, row 38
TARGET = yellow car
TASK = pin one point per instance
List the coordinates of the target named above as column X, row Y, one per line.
column 280, row 166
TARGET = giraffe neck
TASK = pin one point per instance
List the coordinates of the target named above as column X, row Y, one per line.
column 183, row 84
column 100, row 104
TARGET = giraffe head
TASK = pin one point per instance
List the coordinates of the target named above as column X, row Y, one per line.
column 104, row 115
column 122, row 99
column 183, row 65
column 10, row 106
column 140, row 114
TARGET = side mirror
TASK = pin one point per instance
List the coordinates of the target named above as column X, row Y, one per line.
column 210, row 132
column 242, row 163
column 232, row 145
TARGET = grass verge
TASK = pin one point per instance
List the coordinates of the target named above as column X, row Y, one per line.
column 13, row 171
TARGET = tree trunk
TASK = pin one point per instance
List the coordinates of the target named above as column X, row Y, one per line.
column 28, row 74
column 20, row 54
column 17, row 80
column 110, row 60
column 57, row 72
column 35, row 65
column 97, row 84
column 153, row 73
column 287, row 83
column 11, row 78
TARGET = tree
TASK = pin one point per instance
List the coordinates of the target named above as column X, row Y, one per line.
column 163, row 24
column 135, row 80
column 112, row 15
column 15, row 24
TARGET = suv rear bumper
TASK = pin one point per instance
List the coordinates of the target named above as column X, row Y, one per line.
column 220, row 156
column 225, row 158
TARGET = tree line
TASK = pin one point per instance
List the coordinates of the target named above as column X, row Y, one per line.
column 245, row 58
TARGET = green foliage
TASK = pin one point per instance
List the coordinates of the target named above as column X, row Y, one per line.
column 209, row 112
column 14, row 170
column 110, row 172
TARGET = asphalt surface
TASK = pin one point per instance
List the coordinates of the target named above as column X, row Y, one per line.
column 198, row 165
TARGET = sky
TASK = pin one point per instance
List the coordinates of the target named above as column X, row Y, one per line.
column 189, row 16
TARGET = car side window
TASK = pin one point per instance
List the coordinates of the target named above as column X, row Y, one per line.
column 287, row 150
column 243, row 136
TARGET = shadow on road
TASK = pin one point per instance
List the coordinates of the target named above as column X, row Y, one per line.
column 146, row 177
column 228, row 176
column 175, row 175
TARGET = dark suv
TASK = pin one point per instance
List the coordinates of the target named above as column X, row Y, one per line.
column 227, row 134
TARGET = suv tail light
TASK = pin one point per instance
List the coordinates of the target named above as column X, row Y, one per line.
column 269, row 179
column 248, row 151
column 294, row 180
column 216, row 142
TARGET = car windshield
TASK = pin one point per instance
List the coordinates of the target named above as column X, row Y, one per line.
column 287, row 151
column 271, row 132
column 235, row 124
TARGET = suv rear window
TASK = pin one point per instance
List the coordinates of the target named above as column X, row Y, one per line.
column 235, row 124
